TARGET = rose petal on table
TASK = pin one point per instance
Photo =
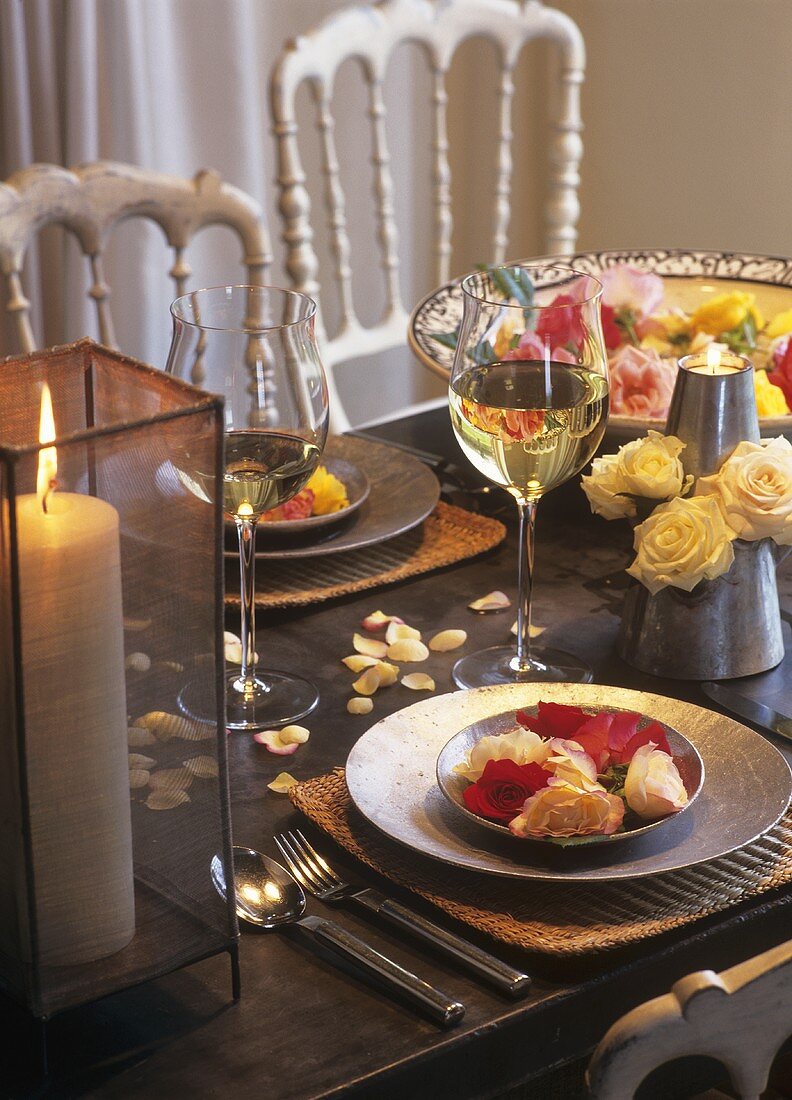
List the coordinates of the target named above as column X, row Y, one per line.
column 231, row 639
column 138, row 737
column 138, row 662
column 138, row 777
column 418, row 681
column 378, row 619
column 271, row 740
column 388, row 673
column 368, row 683
column 165, row 726
column 360, row 705
column 294, row 735
column 233, row 653
column 357, row 662
column 134, row 625
column 533, row 631
column 171, row 779
column 281, row 783
column 370, row 647
column 138, row 760
column 166, row 800
column 493, row 601
column 447, row 640
column 408, row 649
column 202, row 767
column 397, row 631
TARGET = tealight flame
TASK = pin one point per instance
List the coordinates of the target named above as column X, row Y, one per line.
column 713, row 357
column 245, row 509
column 48, row 456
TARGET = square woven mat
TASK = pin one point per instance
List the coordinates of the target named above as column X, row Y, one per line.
column 448, row 535
column 554, row 918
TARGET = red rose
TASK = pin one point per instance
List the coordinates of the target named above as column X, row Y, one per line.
column 554, row 720
column 504, row 786
column 611, row 332
column 560, row 324
column 624, row 753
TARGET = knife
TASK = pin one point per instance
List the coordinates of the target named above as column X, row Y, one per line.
column 763, row 716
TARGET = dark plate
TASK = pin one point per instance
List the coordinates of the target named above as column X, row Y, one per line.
column 686, row 757
column 357, row 487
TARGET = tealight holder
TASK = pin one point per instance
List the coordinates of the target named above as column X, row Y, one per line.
column 113, row 802
column 731, row 626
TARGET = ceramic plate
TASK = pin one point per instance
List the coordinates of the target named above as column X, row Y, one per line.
column 452, row 785
column 689, row 277
column 357, row 489
column 391, row 777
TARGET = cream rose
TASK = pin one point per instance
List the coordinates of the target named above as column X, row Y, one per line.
column 754, row 488
column 520, row 745
column 650, row 467
column 653, row 787
column 604, row 489
column 571, row 763
column 681, row 543
column 562, row 810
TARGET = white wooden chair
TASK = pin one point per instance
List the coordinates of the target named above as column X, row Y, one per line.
column 92, row 199
column 371, row 33
column 739, row 1017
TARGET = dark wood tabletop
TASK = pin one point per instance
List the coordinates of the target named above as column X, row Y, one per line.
column 305, row 1029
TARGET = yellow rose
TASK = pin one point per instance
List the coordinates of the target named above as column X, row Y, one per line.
column 653, row 786
column 521, row 745
column 329, row 493
column 604, row 489
column 562, row 810
column 754, row 489
column 650, row 467
column 681, row 543
column 770, row 400
column 675, row 324
column 780, row 325
column 502, row 341
column 724, row 312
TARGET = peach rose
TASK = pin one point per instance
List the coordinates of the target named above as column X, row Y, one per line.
column 628, row 288
column 570, row 762
column 641, row 383
column 562, row 810
column 520, row 745
column 653, row 787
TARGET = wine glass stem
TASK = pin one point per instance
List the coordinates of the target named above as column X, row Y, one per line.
column 246, row 532
column 527, row 510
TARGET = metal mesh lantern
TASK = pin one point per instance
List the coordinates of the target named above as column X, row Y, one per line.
column 112, row 801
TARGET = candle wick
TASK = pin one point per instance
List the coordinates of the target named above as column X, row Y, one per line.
column 52, row 485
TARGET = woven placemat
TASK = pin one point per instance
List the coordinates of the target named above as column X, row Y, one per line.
column 554, row 918
column 448, row 535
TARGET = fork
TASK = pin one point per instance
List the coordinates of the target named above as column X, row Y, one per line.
column 317, row 877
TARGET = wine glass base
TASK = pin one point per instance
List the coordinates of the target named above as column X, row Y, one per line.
column 279, row 698
column 498, row 665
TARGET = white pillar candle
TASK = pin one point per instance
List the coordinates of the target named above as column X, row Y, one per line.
column 75, row 726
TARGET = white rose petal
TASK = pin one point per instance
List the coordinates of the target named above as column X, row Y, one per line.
column 521, row 745
column 681, row 543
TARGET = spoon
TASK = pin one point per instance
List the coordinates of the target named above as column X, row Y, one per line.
column 267, row 896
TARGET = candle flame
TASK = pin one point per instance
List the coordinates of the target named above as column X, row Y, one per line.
column 713, row 357
column 245, row 509
column 48, row 456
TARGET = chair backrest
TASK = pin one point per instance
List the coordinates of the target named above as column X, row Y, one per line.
column 739, row 1017
column 371, row 33
column 92, row 199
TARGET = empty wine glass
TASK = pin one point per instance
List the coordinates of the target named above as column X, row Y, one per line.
column 256, row 346
column 529, row 404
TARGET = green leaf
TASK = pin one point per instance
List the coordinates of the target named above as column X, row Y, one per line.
column 447, row 339
column 482, row 354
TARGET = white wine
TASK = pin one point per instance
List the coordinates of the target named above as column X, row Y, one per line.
column 529, row 425
column 262, row 470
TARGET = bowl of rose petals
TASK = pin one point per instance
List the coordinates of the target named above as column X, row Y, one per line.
column 570, row 776
column 335, row 490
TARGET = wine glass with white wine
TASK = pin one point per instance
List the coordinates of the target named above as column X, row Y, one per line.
column 529, row 403
column 256, row 346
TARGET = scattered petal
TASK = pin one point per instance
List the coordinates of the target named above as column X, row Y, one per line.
column 533, row 631
column 231, row 639
column 202, row 767
column 170, row 666
column 294, row 735
column 136, row 624
column 138, row 737
column 357, row 662
column 233, row 653
column 369, row 646
column 377, row 619
column 358, row 705
column 408, row 649
column 166, row 800
column 272, row 740
column 368, row 683
column 138, row 662
column 397, row 631
column 447, row 640
column 171, row 779
column 493, row 601
column 418, row 681
column 388, row 673
column 138, row 777
column 164, row 726
column 138, row 760
column 281, row 783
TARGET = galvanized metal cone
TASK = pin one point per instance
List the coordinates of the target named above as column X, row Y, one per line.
column 731, row 626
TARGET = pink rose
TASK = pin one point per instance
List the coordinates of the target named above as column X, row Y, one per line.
column 562, row 810
column 532, row 346
column 653, row 787
column 641, row 383
column 627, row 288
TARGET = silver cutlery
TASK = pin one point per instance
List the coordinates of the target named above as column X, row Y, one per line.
column 267, row 896
column 315, row 875
column 763, row 716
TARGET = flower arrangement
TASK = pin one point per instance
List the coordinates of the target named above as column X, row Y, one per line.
column 566, row 773
column 324, row 493
column 685, row 527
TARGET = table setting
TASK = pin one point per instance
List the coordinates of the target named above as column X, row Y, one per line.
column 505, row 782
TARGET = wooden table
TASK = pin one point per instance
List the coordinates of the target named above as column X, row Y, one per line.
column 304, row 1029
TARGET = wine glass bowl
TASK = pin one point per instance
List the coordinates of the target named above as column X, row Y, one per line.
column 528, row 397
column 256, row 346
